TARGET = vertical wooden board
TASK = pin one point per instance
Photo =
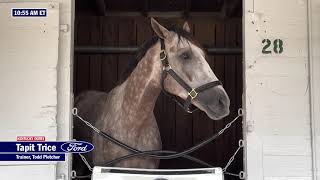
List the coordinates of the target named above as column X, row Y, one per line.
column 229, row 85
column 83, row 64
column 219, row 72
column 168, row 127
column 239, row 90
column 144, row 31
column 95, row 59
column 239, row 69
column 204, row 32
column 126, row 37
column 109, row 72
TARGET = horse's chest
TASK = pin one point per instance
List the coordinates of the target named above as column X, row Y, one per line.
column 146, row 136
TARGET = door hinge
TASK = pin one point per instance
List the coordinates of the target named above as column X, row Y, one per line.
column 64, row 27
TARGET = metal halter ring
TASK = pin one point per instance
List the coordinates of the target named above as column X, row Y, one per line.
column 240, row 112
column 242, row 175
column 241, row 143
column 193, row 93
column 73, row 174
column 74, row 111
column 163, row 52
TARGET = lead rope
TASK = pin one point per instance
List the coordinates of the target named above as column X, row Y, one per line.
column 241, row 175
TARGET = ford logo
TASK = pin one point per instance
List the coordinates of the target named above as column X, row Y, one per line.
column 77, row 147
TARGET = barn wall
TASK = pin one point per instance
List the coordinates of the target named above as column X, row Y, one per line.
column 178, row 129
column 277, row 91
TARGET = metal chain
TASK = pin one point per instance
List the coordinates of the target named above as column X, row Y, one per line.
column 85, row 162
column 240, row 113
column 240, row 175
column 74, row 175
column 234, row 154
column 224, row 170
column 231, row 174
column 75, row 113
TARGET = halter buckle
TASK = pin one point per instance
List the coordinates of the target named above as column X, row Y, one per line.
column 167, row 67
column 193, row 93
column 163, row 55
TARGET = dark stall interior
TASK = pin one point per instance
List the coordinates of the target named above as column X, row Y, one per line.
column 107, row 35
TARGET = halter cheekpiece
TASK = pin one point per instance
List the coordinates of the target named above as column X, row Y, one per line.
column 192, row 92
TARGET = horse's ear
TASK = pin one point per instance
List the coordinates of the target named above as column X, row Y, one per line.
column 186, row 27
column 161, row 31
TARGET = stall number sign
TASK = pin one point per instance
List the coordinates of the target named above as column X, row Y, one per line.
column 272, row 46
column 18, row 12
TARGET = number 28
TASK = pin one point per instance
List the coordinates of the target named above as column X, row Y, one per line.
column 277, row 46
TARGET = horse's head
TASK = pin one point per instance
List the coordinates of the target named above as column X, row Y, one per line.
column 188, row 61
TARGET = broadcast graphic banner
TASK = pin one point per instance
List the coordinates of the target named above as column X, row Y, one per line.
column 41, row 151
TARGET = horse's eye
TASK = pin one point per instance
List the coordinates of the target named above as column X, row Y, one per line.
column 185, row 56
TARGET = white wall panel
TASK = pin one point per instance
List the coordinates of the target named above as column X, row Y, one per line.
column 277, row 90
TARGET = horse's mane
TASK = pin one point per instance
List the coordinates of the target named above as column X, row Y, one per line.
column 148, row 44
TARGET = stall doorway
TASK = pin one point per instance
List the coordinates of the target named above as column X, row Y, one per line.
column 216, row 24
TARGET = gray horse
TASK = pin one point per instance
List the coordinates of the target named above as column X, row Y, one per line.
column 126, row 112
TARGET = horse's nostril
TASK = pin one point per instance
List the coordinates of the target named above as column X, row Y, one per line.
column 223, row 102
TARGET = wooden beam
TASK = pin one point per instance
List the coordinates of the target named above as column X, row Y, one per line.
column 134, row 49
column 160, row 14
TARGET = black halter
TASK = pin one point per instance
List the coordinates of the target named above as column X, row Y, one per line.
column 192, row 92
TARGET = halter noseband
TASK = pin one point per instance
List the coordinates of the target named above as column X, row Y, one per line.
column 192, row 92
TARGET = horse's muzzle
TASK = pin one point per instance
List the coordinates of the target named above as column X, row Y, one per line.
column 215, row 102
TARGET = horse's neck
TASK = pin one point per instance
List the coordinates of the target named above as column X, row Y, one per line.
column 143, row 87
